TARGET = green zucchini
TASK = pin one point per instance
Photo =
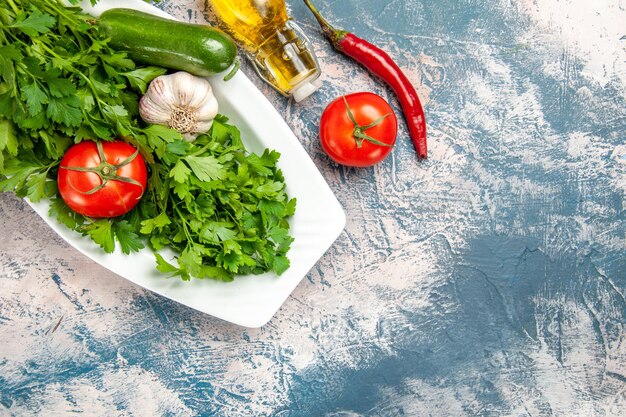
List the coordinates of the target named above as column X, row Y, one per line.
column 197, row 49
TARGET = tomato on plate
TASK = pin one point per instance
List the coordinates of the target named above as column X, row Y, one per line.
column 102, row 179
column 358, row 130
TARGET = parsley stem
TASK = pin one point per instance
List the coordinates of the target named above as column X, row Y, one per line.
column 184, row 223
column 93, row 90
column 3, row 21
column 26, row 71
column 16, row 39
column 54, row 5
column 201, row 150
column 16, row 10
column 51, row 52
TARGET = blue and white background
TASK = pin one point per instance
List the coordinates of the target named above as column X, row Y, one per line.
column 488, row 280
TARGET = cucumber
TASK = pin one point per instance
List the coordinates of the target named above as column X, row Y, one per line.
column 197, row 49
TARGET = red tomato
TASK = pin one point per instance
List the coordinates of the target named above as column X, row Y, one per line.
column 358, row 129
column 102, row 180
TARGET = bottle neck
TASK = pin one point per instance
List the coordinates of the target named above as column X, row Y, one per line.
column 285, row 59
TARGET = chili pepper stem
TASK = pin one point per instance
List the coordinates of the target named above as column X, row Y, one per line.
column 335, row 35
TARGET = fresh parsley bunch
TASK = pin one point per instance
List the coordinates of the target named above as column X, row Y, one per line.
column 223, row 209
column 60, row 83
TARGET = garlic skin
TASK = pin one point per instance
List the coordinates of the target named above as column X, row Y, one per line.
column 180, row 101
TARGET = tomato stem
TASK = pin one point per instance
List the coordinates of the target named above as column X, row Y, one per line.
column 359, row 131
column 106, row 171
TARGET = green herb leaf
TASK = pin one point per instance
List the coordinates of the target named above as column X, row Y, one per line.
column 215, row 232
column 10, row 53
column 36, row 23
column 115, row 112
column 157, row 223
column 180, row 172
column 270, row 188
column 58, row 86
column 118, row 60
column 101, row 232
column 158, row 135
column 125, row 234
column 190, row 260
column 281, row 237
column 214, row 272
column 206, row 168
column 141, row 77
column 273, row 208
column 36, row 184
column 164, row 266
column 35, row 98
column 280, row 264
column 8, row 138
column 65, row 111
column 65, row 215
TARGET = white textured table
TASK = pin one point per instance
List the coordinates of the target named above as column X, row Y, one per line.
column 488, row 280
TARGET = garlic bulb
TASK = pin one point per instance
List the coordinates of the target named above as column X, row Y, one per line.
column 180, row 101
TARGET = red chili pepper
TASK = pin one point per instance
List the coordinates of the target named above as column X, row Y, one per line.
column 379, row 63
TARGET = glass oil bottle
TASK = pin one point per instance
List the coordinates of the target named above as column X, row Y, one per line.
column 280, row 52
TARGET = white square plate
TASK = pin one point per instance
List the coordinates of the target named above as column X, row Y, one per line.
column 249, row 301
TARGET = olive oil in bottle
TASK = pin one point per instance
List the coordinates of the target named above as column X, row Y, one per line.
column 277, row 47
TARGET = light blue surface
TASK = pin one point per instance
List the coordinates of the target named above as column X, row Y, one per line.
column 488, row 280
